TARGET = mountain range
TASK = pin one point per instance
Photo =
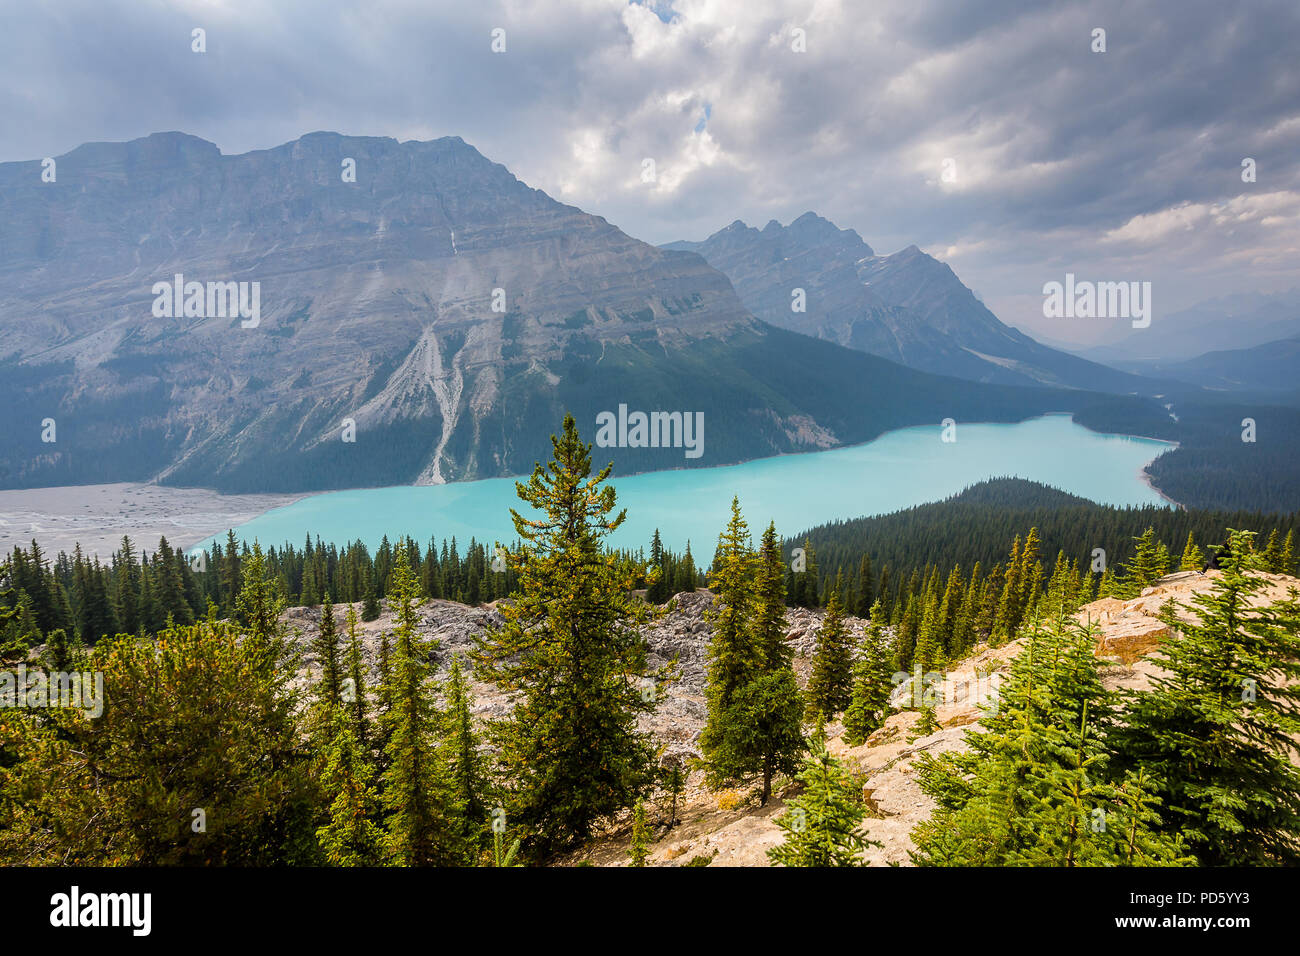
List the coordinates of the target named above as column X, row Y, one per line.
column 1226, row 323
column 446, row 315
column 815, row 278
column 1268, row 370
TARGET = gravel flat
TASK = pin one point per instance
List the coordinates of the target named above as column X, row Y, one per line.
column 98, row 516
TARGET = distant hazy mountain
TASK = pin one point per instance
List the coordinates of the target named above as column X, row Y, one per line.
column 908, row 307
column 451, row 313
column 1227, row 323
column 1271, row 367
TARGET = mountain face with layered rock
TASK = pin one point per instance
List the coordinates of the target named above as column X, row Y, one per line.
column 909, row 307
column 412, row 313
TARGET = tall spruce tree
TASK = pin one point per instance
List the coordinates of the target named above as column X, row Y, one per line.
column 1149, row 563
column 866, row 595
column 872, row 685
column 755, row 707
column 734, row 657
column 351, row 836
column 231, row 573
column 571, row 657
column 639, row 851
column 355, row 698
column 830, row 685
column 684, row 579
column 423, row 815
column 764, row 733
column 768, row 618
column 467, row 770
column 327, row 651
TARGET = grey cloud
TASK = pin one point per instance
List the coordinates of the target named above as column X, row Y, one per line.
column 1063, row 146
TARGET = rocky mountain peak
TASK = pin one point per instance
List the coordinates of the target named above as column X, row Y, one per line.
column 418, row 290
column 908, row 307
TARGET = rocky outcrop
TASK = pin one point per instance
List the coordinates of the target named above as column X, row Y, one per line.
column 1131, row 629
column 730, row 828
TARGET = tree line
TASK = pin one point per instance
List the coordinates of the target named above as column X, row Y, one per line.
column 881, row 555
column 79, row 599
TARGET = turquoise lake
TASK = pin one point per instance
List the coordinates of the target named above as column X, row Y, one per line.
column 900, row 469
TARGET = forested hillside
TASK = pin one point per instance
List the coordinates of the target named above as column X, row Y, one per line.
column 211, row 716
column 1231, row 455
column 976, row 525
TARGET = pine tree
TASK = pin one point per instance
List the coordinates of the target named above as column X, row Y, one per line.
column 866, row 588
column 662, row 588
column 822, row 826
column 570, row 655
column 422, row 813
column 351, row 837
column 231, row 572
column 150, row 611
column 1193, row 558
column 1216, row 729
column 872, row 686
column 360, row 721
column 1272, row 555
column 949, row 607
column 168, row 585
column 805, row 591
column 1035, row 786
column 755, row 708
column 673, row 778
column 965, row 635
column 467, row 771
column 640, row 848
column 126, row 588
column 830, row 685
column 197, row 721
column 58, row 650
column 1150, row 562
column 685, row 577
column 885, row 595
column 768, row 619
column 326, row 647
column 928, row 654
column 370, row 607
column 764, row 722
column 1029, row 582
column 1008, row 610
column 1286, row 564
column 927, row 725
column 735, row 658
column 1108, row 587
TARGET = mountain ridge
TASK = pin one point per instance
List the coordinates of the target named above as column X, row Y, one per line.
column 445, row 309
column 908, row 307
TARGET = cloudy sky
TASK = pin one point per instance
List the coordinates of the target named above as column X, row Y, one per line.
column 987, row 132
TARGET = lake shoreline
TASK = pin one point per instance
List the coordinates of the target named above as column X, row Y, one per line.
column 97, row 516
